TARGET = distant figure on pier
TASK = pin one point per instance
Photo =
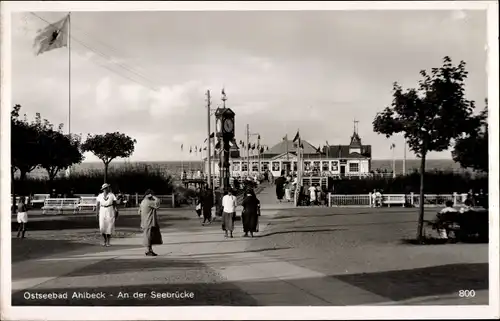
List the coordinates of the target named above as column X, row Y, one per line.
column 280, row 188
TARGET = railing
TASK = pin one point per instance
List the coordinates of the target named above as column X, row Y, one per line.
column 164, row 200
column 366, row 200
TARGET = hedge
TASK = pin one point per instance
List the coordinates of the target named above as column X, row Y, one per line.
column 434, row 183
column 129, row 180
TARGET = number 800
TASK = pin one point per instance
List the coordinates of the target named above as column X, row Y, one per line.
column 466, row 293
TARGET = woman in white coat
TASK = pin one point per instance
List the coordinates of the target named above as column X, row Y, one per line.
column 106, row 213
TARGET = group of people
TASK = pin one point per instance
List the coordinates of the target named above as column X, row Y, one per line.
column 250, row 214
column 107, row 214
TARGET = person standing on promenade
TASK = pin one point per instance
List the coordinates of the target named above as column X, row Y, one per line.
column 312, row 195
column 280, row 188
column 250, row 214
column 229, row 204
column 207, row 202
column 150, row 222
column 107, row 213
column 22, row 217
column 288, row 190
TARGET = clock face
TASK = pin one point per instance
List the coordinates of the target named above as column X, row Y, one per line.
column 228, row 125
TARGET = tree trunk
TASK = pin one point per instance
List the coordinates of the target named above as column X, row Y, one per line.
column 421, row 206
column 106, row 172
column 13, row 190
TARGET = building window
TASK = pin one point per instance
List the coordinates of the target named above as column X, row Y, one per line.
column 294, row 166
column 307, row 166
column 244, row 167
column 265, row 166
column 325, row 166
column 276, row 166
column 236, row 166
column 355, row 150
column 353, row 167
column 335, row 166
column 255, row 166
column 316, row 166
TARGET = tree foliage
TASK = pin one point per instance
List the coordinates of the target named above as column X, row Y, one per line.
column 431, row 116
column 109, row 146
column 25, row 147
column 59, row 151
column 471, row 150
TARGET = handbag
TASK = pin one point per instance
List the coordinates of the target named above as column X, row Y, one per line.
column 156, row 237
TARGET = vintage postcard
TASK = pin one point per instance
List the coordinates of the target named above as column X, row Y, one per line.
column 249, row 160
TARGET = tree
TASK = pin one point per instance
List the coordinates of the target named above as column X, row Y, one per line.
column 24, row 144
column 429, row 117
column 471, row 151
column 58, row 151
column 108, row 147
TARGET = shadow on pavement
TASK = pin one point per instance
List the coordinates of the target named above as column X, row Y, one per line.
column 421, row 282
column 30, row 248
column 386, row 286
column 266, row 233
column 88, row 222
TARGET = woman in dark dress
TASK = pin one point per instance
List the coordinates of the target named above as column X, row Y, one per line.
column 251, row 212
column 207, row 202
column 280, row 188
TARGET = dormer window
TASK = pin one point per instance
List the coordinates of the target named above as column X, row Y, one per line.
column 354, row 150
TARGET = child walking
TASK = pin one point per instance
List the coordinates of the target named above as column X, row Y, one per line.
column 22, row 217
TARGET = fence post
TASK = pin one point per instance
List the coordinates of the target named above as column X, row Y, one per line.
column 173, row 200
column 411, row 199
column 454, row 199
column 329, row 199
column 370, row 197
column 136, row 199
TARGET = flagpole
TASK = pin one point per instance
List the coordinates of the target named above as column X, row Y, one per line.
column 69, row 73
column 69, row 80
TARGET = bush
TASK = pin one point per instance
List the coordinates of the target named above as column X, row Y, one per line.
column 435, row 183
column 130, row 179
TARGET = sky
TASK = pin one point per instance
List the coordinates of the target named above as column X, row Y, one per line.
column 146, row 73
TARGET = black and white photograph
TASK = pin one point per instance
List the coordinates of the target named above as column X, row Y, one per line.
column 223, row 156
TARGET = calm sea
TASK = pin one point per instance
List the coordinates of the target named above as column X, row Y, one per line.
column 176, row 167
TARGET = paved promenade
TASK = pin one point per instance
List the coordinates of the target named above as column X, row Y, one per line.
column 196, row 265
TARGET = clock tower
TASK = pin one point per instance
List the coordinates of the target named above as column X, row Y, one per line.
column 224, row 131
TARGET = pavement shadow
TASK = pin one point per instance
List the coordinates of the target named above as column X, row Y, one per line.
column 385, row 286
column 436, row 280
column 87, row 222
column 270, row 233
column 31, row 248
column 439, row 241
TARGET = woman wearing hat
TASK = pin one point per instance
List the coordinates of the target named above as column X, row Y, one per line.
column 106, row 213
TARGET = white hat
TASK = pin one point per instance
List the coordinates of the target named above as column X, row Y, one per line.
column 105, row 185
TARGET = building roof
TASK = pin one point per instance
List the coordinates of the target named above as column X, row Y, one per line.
column 281, row 148
column 342, row 151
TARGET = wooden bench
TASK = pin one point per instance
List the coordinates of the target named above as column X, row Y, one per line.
column 87, row 202
column 394, row 200
column 38, row 200
column 60, row 205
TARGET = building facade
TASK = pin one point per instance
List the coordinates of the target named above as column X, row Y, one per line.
column 331, row 161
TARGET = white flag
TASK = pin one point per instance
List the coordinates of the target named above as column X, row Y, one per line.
column 52, row 37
